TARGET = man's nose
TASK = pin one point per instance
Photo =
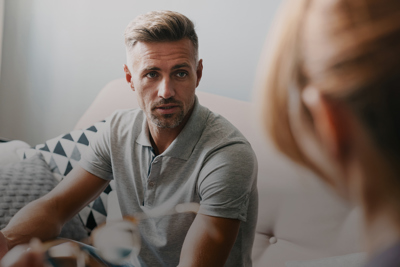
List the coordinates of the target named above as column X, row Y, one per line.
column 166, row 89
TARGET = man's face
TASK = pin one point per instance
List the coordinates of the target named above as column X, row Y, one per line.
column 165, row 76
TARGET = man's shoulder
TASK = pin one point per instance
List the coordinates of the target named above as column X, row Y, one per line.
column 123, row 121
column 125, row 117
column 125, row 114
column 220, row 138
column 221, row 130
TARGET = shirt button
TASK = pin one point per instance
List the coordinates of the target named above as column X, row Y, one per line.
column 151, row 184
column 273, row 240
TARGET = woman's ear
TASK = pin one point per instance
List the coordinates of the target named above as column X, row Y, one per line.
column 128, row 77
column 331, row 123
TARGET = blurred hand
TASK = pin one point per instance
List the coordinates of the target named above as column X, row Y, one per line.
column 25, row 256
column 3, row 245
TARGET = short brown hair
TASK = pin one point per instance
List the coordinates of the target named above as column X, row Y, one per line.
column 161, row 26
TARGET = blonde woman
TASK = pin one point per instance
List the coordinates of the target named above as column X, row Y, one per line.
column 331, row 102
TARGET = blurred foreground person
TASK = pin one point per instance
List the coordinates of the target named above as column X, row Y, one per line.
column 331, row 101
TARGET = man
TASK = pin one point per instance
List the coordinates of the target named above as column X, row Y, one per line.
column 171, row 151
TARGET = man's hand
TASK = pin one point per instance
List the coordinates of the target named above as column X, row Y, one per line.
column 44, row 217
column 208, row 241
column 3, row 245
column 24, row 256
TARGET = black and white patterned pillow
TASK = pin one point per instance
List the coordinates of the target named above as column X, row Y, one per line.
column 62, row 154
column 24, row 181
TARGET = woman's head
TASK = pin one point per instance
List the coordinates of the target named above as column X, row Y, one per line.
column 331, row 92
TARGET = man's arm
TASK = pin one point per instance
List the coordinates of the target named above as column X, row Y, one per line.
column 209, row 241
column 227, row 188
column 44, row 217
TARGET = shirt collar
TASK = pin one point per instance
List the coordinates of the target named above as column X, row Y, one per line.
column 183, row 145
column 144, row 137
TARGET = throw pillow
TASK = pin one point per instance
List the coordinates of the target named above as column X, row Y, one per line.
column 8, row 151
column 62, row 154
column 349, row 260
column 25, row 181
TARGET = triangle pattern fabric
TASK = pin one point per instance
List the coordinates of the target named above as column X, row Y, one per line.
column 104, row 199
column 75, row 135
column 83, row 140
column 61, row 162
column 45, row 148
column 108, row 189
column 52, row 164
column 74, row 163
column 68, row 147
column 98, row 217
column 99, row 207
column 84, row 214
column 91, row 222
column 62, row 154
column 68, row 169
column 89, row 134
column 56, row 170
column 59, row 149
column 75, row 155
column 68, row 137
column 51, row 144
column 92, row 128
column 47, row 156
column 81, row 148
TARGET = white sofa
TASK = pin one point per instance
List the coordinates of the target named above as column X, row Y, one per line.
column 299, row 217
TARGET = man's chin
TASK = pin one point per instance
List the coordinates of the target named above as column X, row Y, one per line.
column 168, row 121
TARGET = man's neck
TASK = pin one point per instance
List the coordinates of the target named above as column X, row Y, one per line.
column 162, row 138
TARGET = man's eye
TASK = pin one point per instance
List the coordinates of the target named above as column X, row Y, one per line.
column 181, row 74
column 151, row 74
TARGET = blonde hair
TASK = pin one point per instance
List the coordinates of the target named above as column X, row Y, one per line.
column 349, row 50
column 161, row 26
column 361, row 68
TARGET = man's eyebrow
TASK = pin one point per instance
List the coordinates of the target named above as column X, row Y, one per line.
column 178, row 66
column 183, row 65
column 152, row 68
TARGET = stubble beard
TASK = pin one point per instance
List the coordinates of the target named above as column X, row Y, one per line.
column 167, row 121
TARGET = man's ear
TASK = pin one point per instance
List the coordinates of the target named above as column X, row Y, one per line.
column 199, row 72
column 128, row 76
column 331, row 122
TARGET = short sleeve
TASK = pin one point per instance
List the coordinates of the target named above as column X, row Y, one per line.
column 227, row 180
column 96, row 159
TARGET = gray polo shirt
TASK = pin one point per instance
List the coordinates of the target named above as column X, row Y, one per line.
column 210, row 162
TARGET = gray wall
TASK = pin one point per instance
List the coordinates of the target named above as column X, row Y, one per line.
column 58, row 54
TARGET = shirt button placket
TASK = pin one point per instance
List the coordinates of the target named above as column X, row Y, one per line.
column 151, row 184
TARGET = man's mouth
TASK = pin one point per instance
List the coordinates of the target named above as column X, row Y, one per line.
column 167, row 109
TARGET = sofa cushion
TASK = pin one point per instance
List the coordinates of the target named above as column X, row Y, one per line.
column 349, row 260
column 62, row 154
column 25, row 181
